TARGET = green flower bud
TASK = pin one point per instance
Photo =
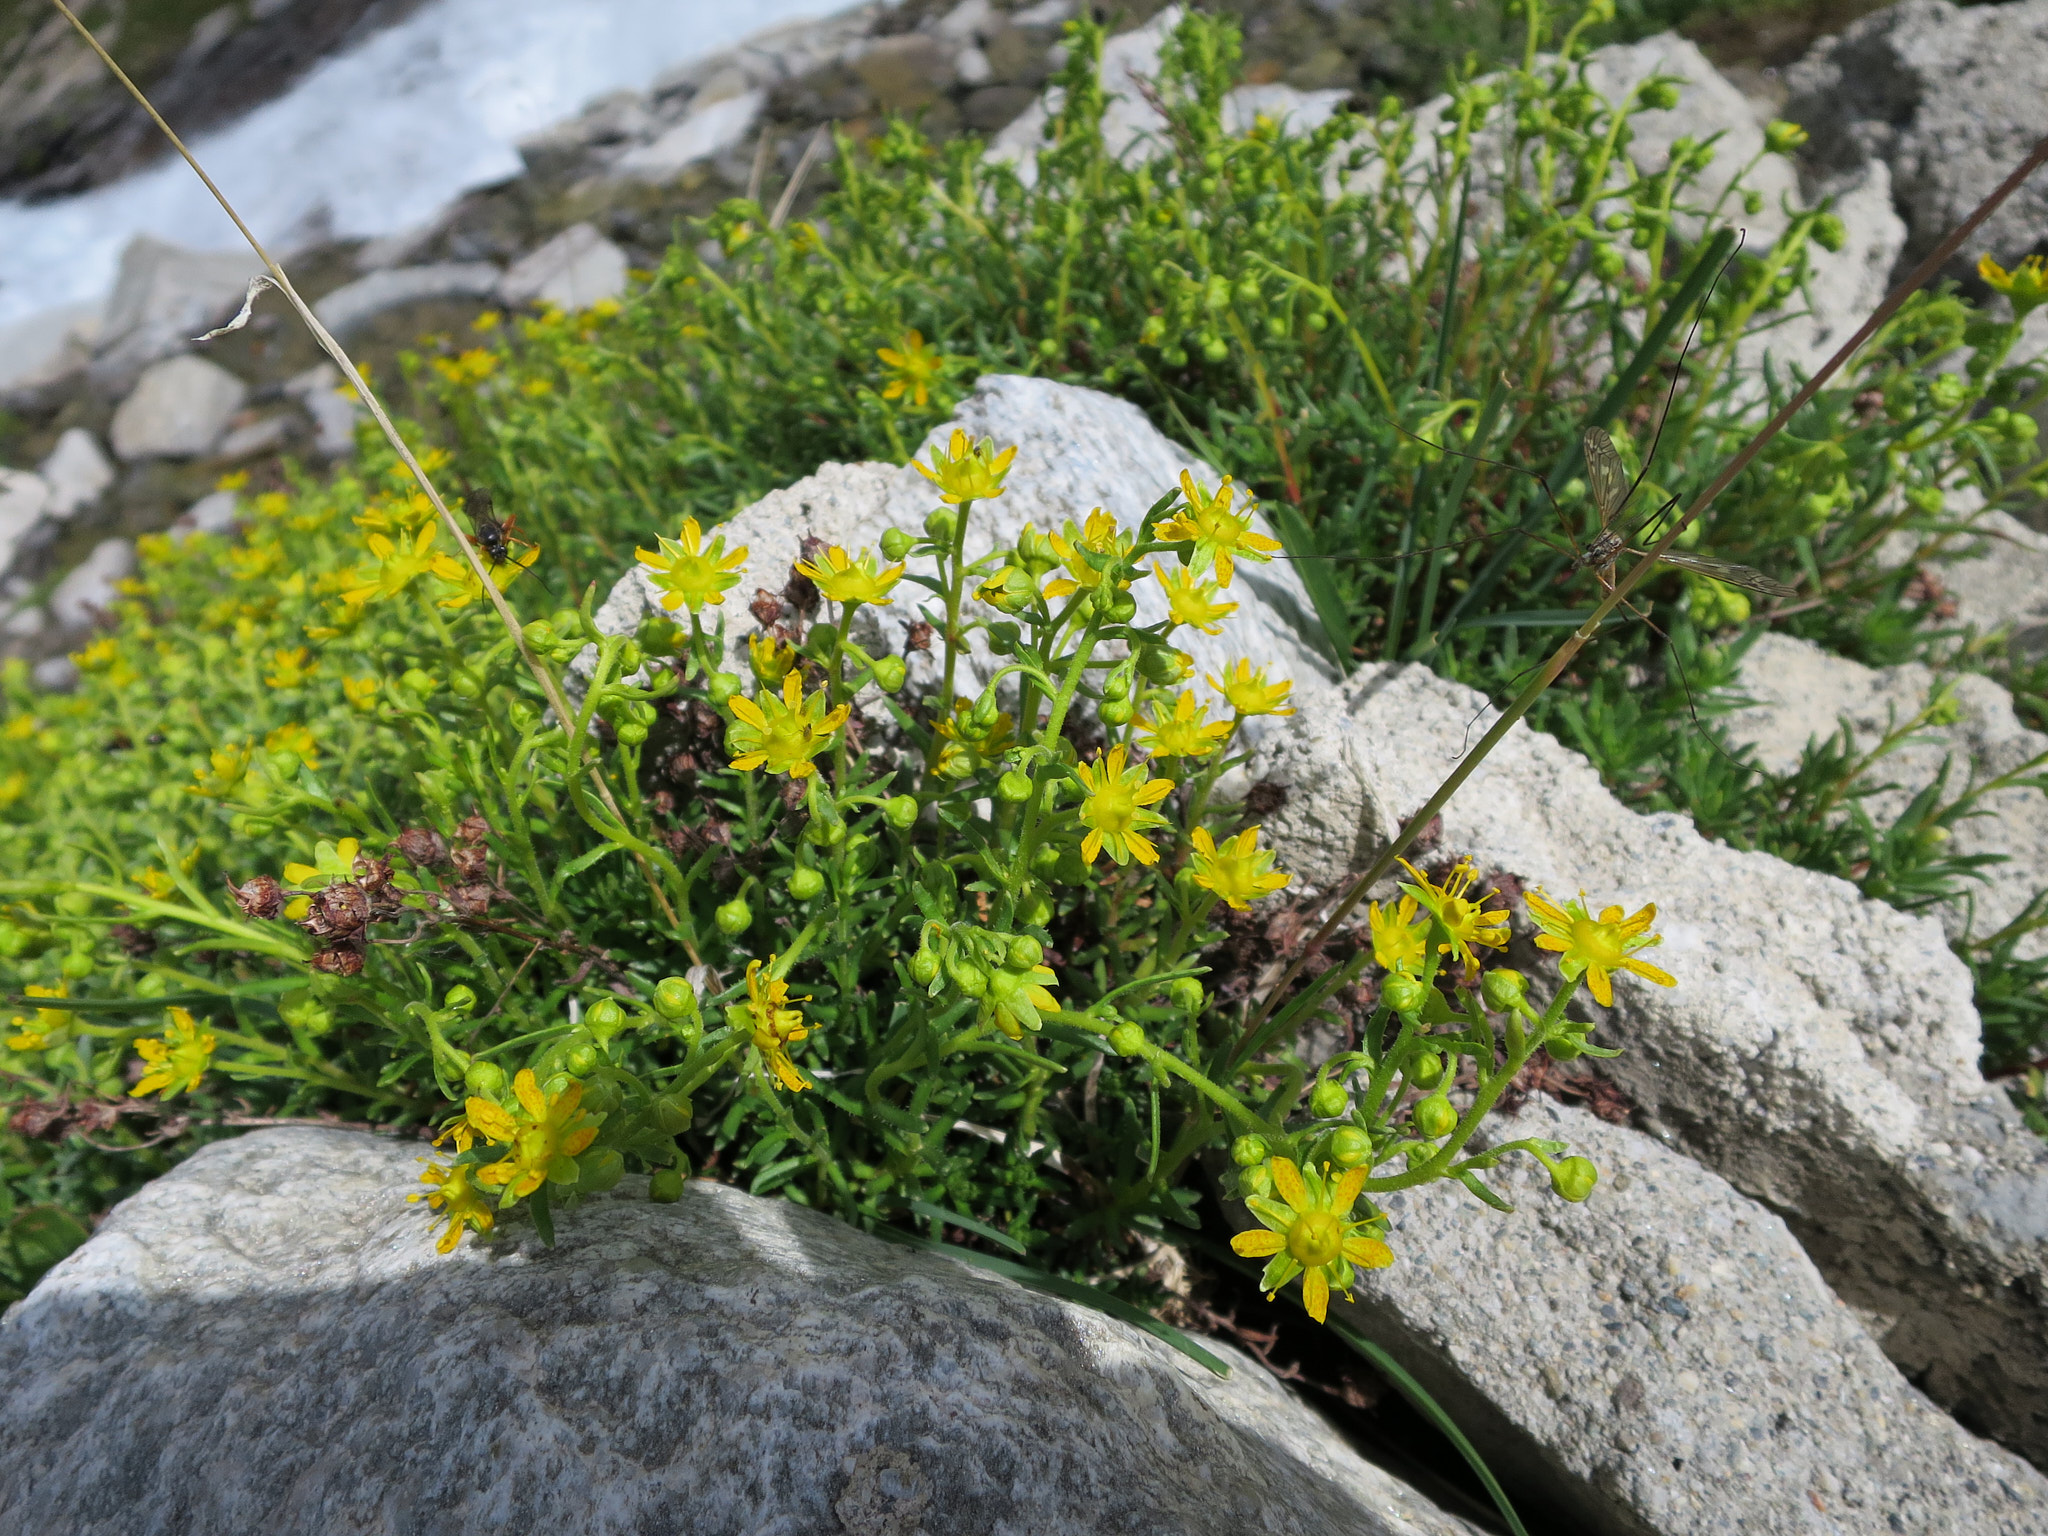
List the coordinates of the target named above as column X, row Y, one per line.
column 630, row 659
column 1404, row 993
column 1349, row 1146
column 895, row 543
column 1658, row 95
column 734, row 918
column 966, row 974
column 599, row 1170
column 1127, row 1039
column 1025, row 952
column 825, row 831
column 721, row 686
column 659, row 636
column 1608, row 261
column 73, row 903
column 1829, row 232
column 1328, row 1100
column 671, row 1113
column 1120, row 607
column 1249, row 1151
column 539, row 635
column 631, row 733
column 1435, row 1117
column 940, row 524
column 1426, row 1069
column 605, row 1018
column 581, row 1058
column 1215, row 349
column 1117, row 686
column 900, row 812
column 1781, row 138
column 460, row 999
column 1014, row 786
column 1256, row 1182
column 1186, row 994
column 1036, row 909
column 464, row 684
column 601, row 1096
column 806, row 883
column 1574, row 1178
column 1117, row 712
column 568, row 623
column 77, row 965
column 485, row 1078
column 890, row 673
column 666, row 1187
column 675, row 998
column 1504, row 989
column 924, row 966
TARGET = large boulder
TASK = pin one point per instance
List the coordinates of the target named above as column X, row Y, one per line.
column 1664, row 1357
column 178, row 409
column 1819, row 1052
column 266, row 1340
column 354, row 305
column 164, row 296
column 575, row 270
column 1950, row 98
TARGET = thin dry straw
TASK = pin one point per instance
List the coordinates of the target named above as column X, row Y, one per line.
column 333, row 349
column 1562, row 658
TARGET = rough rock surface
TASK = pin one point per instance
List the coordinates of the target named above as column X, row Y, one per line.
column 178, row 409
column 1820, row 1050
column 89, row 589
column 265, row 1339
column 1076, row 449
column 77, row 471
column 710, row 130
column 164, row 296
column 23, row 499
column 1666, row 1359
column 572, row 271
column 1999, row 583
column 1950, row 98
column 1802, row 692
column 356, row 304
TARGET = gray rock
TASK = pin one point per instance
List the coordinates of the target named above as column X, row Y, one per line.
column 55, row 674
column 572, row 271
column 1819, row 1052
column 1998, row 581
column 709, row 131
column 164, row 296
column 1666, row 1359
column 209, row 514
column 1803, row 693
column 42, row 350
column 88, row 592
column 265, row 1339
column 77, row 472
column 906, row 71
column 1951, row 98
column 260, row 435
column 356, row 304
column 23, row 499
column 178, row 409
column 25, row 623
column 1076, row 449
column 334, row 409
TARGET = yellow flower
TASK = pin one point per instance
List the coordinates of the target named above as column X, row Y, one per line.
column 1015, row 999
column 297, row 740
column 460, row 577
column 290, row 669
column 1187, row 732
column 487, row 322
column 34, row 1034
column 456, row 1199
column 397, row 567
column 1464, row 920
column 100, row 654
column 1191, row 601
column 961, row 756
column 1220, row 537
column 1399, row 943
column 688, row 573
column 176, row 1062
column 546, row 1136
column 227, row 767
column 156, row 883
column 844, row 580
column 782, row 734
column 775, row 1026
column 1240, row 871
column 20, row 728
column 1115, row 810
column 470, row 367
column 1248, row 693
column 772, row 658
column 361, row 692
column 1596, row 948
column 2026, row 284
column 331, row 861
column 912, row 366
column 1313, row 1235
column 965, row 471
column 12, row 788
column 233, row 481
column 1100, row 538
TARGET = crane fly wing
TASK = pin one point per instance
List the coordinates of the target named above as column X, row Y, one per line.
column 1745, row 576
column 1605, row 476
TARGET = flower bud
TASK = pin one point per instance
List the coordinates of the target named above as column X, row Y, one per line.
column 1328, row 1100
column 671, row 1113
column 734, row 918
column 721, row 686
column 1435, row 1117
column 1036, row 909
column 675, row 998
column 900, row 812
column 1426, row 1069
column 1504, row 989
column 1116, row 712
column 1574, row 1178
column 1349, row 1146
column 1658, row 95
column 666, row 1187
column 580, row 1058
column 1117, row 686
column 940, row 524
column 1014, row 786
column 1781, row 138
column 601, row 1096
column 1249, row 1151
column 539, row 635
column 1255, row 1182
column 1404, row 993
column 1119, row 607
column 1127, row 1039
column 806, row 883
column 1830, row 233
column 605, row 1018
column 890, row 673
column 969, row 977
column 895, row 543
column 598, row 1171
column 484, row 1078
column 1186, row 994
column 924, row 966
column 1024, row 953
column 631, row 733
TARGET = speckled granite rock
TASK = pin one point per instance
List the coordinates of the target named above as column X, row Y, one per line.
column 1664, row 1358
column 1819, row 1051
column 265, row 1340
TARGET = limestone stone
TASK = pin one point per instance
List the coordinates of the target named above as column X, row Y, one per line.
column 1998, row 581
column 179, row 408
column 89, row 590
column 42, row 350
column 23, row 499
column 356, row 304
column 707, row 132
column 572, row 271
column 163, row 297
column 1077, row 449
column 77, row 472
column 1803, row 693
column 1819, row 1052
column 906, row 71
column 215, row 513
column 335, row 410
column 265, row 1339
column 1664, row 1357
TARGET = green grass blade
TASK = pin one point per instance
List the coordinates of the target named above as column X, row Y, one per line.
column 1301, row 543
column 938, row 1213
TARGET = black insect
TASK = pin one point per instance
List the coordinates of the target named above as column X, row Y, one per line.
column 493, row 534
